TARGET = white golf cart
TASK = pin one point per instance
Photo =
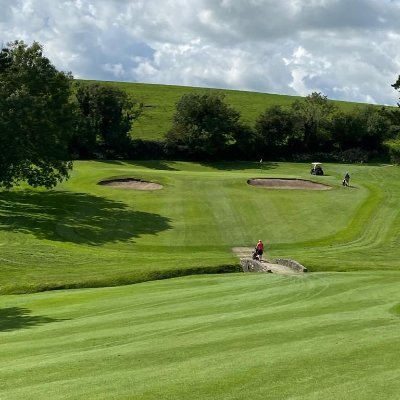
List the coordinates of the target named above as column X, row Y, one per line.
column 316, row 169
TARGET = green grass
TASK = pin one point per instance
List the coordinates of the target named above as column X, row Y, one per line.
column 86, row 235
column 254, row 336
column 321, row 335
column 160, row 101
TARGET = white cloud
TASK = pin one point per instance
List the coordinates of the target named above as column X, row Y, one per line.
column 117, row 70
column 347, row 50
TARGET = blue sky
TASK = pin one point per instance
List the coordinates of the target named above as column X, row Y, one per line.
column 346, row 49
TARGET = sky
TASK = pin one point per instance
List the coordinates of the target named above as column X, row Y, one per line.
column 346, row 49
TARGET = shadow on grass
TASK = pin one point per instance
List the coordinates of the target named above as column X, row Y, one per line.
column 163, row 165
column 241, row 165
column 14, row 318
column 75, row 217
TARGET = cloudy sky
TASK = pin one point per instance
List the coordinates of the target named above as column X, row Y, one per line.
column 346, row 49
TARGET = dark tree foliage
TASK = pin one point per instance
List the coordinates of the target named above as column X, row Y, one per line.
column 377, row 127
column 247, row 144
column 104, row 120
column 203, row 126
column 394, row 116
column 364, row 127
column 393, row 146
column 35, row 118
column 393, row 141
column 313, row 120
column 5, row 60
column 275, row 128
column 396, row 85
column 347, row 129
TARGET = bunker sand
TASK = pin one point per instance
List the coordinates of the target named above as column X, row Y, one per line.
column 131, row 183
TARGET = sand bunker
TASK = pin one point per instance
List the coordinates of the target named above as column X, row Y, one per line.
column 131, row 183
column 276, row 183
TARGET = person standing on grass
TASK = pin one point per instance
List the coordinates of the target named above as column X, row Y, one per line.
column 260, row 249
column 346, row 180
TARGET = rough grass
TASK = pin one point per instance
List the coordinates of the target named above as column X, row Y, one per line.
column 254, row 336
column 86, row 235
column 159, row 104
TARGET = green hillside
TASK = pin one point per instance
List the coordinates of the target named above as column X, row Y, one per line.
column 159, row 104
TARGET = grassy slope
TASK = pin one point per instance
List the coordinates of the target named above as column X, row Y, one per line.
column 256, row 336
column 83, row 234
column 160, row 100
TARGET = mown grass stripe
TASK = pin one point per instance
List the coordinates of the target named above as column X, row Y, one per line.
column 237, row 336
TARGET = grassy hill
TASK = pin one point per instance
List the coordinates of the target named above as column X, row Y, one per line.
column 84, row 234
column 159, row 104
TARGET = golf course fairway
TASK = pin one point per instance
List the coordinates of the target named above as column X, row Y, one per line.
column 83, row 234
column 234, row 336
column 87, row 310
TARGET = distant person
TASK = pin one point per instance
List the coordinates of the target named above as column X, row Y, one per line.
column 260, row 249
column 346, row 179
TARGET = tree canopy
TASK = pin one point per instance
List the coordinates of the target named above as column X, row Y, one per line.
column 275, row 127
column 36, row 118
column 203, row 124
column 312, row 119
column 105, row 116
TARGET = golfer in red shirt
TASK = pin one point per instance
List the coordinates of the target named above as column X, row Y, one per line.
column 260, row 249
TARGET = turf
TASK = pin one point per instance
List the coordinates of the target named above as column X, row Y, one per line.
column 159, row 104
column 86, row 235
column 253, row 336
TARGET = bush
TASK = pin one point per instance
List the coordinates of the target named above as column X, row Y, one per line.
column 350, row 156
column 203, row 126
column 393, row 146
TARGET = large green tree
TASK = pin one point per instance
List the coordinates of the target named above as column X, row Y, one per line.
column 35, row 117
column 105, row 117
column 275, row 127
column 203, row 125
column 313, row 120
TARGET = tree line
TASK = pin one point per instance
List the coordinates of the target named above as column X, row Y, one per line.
column 205, row 126
column 47, row 119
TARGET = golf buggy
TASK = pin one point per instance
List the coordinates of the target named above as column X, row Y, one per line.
column 316, row 169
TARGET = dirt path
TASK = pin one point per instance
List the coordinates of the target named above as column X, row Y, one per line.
column 246, row 252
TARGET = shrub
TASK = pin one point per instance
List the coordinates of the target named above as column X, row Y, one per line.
column 393, row 146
